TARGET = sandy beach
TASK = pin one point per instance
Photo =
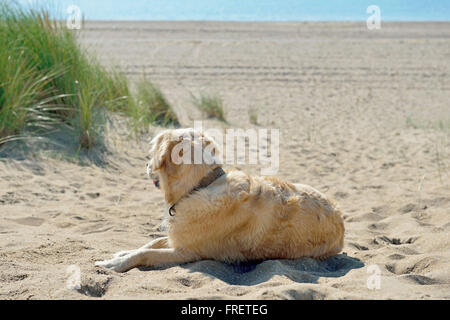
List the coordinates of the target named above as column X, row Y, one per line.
column 364, row 117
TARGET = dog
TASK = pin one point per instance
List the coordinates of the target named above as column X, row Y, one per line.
column 230, row 216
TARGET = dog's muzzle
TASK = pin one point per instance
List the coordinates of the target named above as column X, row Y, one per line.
column 153, row 176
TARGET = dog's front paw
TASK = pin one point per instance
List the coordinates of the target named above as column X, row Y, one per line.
column 123, row 253
column 118, row 264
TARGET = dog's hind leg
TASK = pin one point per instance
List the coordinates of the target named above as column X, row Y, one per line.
column 148, row 258
column 158, row 243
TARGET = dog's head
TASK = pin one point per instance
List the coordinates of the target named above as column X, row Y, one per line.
column 180, row 158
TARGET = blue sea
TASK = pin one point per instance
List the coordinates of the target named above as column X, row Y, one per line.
column 253, row 10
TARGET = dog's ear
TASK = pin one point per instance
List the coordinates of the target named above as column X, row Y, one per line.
column 158, row 149
column 161, row 149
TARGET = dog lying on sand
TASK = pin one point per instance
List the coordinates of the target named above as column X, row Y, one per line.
column 229, row 215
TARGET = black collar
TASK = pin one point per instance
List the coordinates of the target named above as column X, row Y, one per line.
column 206, row 181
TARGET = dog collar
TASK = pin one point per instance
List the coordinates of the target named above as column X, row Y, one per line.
column 206, row 181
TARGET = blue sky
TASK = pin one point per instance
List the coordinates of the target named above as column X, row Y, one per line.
column 255, row 10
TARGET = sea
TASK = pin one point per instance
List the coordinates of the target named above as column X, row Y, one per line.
column 250, row 10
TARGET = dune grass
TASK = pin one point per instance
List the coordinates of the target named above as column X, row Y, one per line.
column 151, row 107
column 253, row 115
column 47, row 79
column 209, row 105
column 442, row 124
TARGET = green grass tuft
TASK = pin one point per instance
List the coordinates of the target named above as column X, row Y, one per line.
column 153, row 106
column 211, row 106
column 253, row 116
column 47, row 79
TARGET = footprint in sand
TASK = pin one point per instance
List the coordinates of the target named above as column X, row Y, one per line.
column 302, row 294
column 419, row 279
column 421, row 271
column 190, row 282
column 413, row 266
column 96, row 286
column 10, row 198
column 358, row 246
column 13, row 277
column 394, row 241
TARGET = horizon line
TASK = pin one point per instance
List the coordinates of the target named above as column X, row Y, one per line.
column 250, row 21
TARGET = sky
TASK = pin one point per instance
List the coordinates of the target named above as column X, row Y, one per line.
column 252, row 10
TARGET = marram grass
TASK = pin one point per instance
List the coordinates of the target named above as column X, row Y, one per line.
column 153, row 106
column 47, row 79
column 209, row 105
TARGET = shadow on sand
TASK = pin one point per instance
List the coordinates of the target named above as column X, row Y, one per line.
column 60, row 144
column 304, row 270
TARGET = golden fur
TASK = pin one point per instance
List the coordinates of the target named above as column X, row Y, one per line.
column 236, row 218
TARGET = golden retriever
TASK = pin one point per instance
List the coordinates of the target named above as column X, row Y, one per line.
column 231, row 216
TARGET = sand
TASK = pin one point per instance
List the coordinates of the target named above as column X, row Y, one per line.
column 364, row 117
